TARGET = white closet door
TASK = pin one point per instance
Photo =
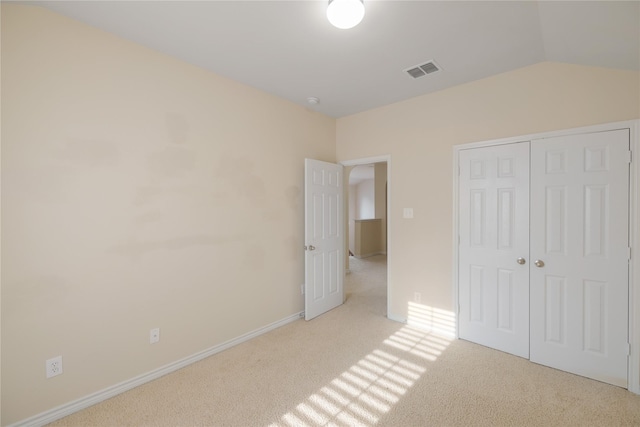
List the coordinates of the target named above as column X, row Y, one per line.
column 494, row 214
column 579, row 235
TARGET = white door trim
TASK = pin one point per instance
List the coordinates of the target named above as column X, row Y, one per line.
column 368, row 161
column 634, row 227
column 634, row 278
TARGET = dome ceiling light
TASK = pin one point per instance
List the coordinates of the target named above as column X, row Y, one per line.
column 345, row 14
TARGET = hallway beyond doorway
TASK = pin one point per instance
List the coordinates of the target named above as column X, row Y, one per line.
column 368, row 278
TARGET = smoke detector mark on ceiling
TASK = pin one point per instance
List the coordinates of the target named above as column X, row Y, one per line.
column 423, row 69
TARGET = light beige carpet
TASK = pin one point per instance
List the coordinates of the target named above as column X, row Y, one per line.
column 354, row 367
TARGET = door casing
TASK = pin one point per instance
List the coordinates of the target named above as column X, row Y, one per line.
column 634, row 228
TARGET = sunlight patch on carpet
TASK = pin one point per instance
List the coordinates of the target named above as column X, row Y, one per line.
column 366, row 391
column 433, row 319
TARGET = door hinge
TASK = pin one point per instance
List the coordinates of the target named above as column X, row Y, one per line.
column 628, row 349
column 630, row 157
column 629, row 253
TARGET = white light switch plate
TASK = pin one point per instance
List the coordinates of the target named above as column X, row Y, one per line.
column 407, row 213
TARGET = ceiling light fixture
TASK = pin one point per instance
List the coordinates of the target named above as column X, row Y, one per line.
column 345, row 14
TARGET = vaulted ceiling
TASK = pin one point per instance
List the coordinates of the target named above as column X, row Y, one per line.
column 289, row 49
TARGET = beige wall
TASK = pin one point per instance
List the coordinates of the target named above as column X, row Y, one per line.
column 365, row 199
column 368, row 239
column 137, row 192
column 419, row 135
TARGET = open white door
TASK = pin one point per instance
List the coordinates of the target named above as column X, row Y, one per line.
column 324, row 237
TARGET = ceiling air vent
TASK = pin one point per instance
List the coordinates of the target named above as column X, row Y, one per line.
column 423, row 69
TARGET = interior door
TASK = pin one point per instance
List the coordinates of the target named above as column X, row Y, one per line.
column 493, row 288
column 580, row 247
column 324, row 237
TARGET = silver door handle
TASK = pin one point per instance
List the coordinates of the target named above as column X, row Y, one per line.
column 539, row 263
column 521, row 261
column 311, row 248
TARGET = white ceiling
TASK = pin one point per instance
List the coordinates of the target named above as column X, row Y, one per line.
column 289, row 49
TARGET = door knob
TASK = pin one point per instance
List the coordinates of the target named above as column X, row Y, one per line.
column 539, row 263
column 521, row 260
column 312, row 248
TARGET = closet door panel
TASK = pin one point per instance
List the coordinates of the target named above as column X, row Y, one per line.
column 494, row 217
column 579, row 236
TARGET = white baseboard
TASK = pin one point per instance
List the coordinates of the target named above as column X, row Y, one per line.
column 369, row 255
column 109, row 392
column 396, row 319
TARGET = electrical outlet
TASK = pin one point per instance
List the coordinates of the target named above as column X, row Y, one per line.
column 154, row 335
column 54, row 366
column 417, row 296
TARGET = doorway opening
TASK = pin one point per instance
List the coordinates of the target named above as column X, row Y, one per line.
column 366, row 223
